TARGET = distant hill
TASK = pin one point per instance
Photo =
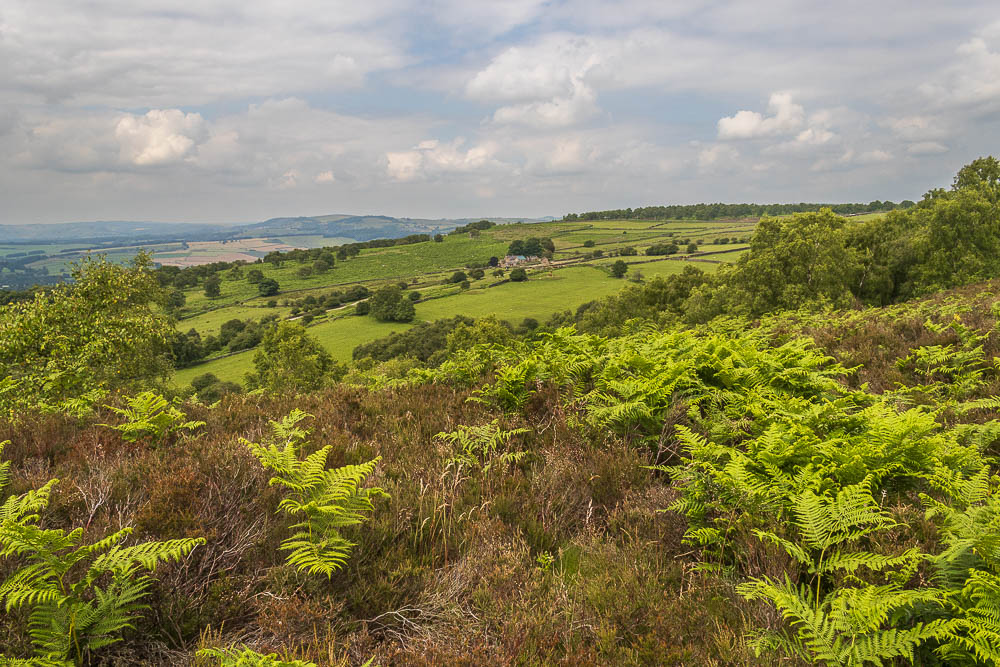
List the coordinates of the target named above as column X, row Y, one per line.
column 358, row 227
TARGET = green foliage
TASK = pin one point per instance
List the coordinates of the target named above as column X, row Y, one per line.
column 950, row 371
column 661, row 300
column 388, row 305
column 268, row 287
column 968, row 570
column 619, row 269
column 518, row 275
column 81, row 596
column 849, row 625
column 213, row 286
column 792, row 262
column 484, row 331
column 103, row 332
column 245, row 657
column 150, row 415
column 482, row 446
column 662, row 249
column 427, row 341
column 326, row 501
column 289, row 359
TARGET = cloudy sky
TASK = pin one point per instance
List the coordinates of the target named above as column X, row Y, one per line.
column 225, row 110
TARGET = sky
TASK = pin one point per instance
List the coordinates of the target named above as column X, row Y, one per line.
column 237, row 111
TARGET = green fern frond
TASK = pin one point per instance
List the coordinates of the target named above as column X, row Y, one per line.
column 241, row 656
column 325, row 500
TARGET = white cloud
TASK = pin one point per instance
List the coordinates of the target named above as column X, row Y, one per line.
column 483, row 18
column 431, row 157
column 287, row 181
column 552, row 68
column 717, row 157
column 324, row 177
column 160, row 54
column 161, row 136
column 927, row 148
column 786, row 118
column 874, row 156
column 557, row 112
column 973, row 80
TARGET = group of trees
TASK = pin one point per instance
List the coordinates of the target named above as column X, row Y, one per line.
column 473, row 227
column 717, row 211
column 662, row 249
column 234, row 335
column 532, row 247
column 388, row 304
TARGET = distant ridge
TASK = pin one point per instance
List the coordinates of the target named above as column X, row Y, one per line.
column 339, row 225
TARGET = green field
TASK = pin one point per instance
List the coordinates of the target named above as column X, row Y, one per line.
column 209, row 322
column 231, row 369
column 539, row 297
column 340, row 336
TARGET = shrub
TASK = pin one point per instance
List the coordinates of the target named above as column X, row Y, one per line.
column 267, row 287
column 326, row 501
column 80, row 596
column 388, row 305
column 150, row 415
column 213, row 286
column 518, row 275
column 662, row 249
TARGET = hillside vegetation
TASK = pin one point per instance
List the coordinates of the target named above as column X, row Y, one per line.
column 791, row 460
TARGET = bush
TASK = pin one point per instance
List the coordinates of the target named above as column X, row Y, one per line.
column 477, row 274
column 213, row 286
column 413, row 296
column 692, row 247
column 619, row 269
column 267, row 287
column 589, row 243
column 518, row 275
column 628, row 251
column 363, row 308
column 214, row 392
column 458, row 277
column 425, row 342
column 388, row 305
column 199, row 382
column 662, row 249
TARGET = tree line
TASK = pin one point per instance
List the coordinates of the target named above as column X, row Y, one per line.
column 719, row 211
